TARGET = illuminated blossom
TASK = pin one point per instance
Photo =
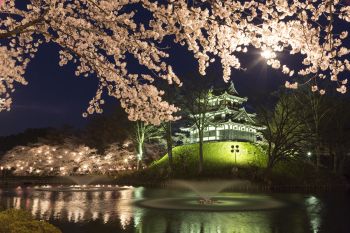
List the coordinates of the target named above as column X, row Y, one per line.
column 67, row 159
column 98, row 36
column 291, row 85
column 342, row 89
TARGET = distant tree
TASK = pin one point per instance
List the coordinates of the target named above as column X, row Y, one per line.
column 312, row 109
column 196, row 108
column 153, row 151
column 103, row 130
column 56, row 136
column 172, row 95
column 168, row 133
column 335, row 133
column 143, row 132
column 284, row 131
column 33, row 135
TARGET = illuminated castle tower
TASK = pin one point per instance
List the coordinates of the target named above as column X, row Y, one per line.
column 228, row 119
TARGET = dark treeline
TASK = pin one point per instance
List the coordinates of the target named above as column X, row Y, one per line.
column 99, row 133
column 309, row 127
column 27, row 137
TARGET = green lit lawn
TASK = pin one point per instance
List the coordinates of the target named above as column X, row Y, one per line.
column 217, row 157
column 219, row 163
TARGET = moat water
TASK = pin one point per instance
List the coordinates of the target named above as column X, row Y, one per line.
column 146, row 210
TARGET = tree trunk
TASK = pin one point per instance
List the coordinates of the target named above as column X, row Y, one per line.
column 270, row 163
column 318, row 157
column 341, row 159
column 169, row 146
column 342, row 162
column 335, row 161
column 200, row 151
column 138, row 164
column 268, row 170
column 139, row 155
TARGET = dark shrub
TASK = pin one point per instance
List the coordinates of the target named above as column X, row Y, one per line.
column 19, row 221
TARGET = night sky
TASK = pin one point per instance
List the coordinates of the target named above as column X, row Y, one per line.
column 55, row 96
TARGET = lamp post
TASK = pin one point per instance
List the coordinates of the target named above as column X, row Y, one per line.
column 309, row 154
column 235, row 150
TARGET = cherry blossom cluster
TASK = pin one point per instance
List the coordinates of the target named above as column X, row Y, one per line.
column 67, row 159
column 282, row 28
column 102, row 37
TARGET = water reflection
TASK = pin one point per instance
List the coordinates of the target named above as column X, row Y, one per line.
column 314, row 207
column 257, row 222
column 116, row 209
column 73, row 206
column 124, row 207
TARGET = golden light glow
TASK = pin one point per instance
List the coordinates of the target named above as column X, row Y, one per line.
column 268, row 54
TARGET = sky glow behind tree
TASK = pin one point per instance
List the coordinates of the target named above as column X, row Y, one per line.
column 54, row 94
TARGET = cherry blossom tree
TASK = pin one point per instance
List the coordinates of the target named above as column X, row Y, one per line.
column 98, row 36
column 67, row 159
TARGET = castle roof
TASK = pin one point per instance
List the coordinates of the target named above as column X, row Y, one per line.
column 229, row 92
column 229, row 89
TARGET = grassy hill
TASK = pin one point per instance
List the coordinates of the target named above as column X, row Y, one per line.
column 219, row 162
column 218, row 158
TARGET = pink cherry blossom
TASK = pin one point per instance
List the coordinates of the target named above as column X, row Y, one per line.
column 97, row 36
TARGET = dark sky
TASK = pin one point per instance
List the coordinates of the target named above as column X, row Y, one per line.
column 55, row 96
